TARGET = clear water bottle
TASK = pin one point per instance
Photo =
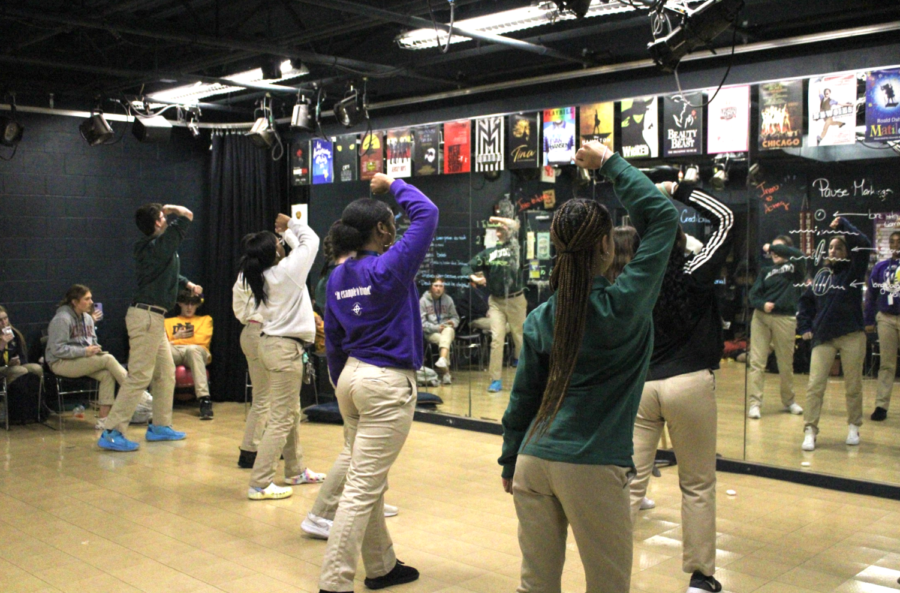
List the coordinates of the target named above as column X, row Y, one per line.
column 78, row 412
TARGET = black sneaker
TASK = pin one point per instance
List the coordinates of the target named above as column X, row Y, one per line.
column 879, row 414
column 206, row 412
column 399, row 575
column 700, row 583
column 247, row 459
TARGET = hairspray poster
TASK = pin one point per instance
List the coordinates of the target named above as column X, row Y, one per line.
column 832, row 109
column 780, row 115
column 683, row 124
column 427, row 150
column 322, row 161
column 371, row 156
column 882, row 105
column 729, row 121
column 559, row 136
column 457, row 146
column 489, row 144
column 524, row 133
column 399, row 153
column 640, row 128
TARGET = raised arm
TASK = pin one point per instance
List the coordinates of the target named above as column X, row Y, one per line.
column 406, row 255
column 704, row 267
column 859, row 245
column 300, row 261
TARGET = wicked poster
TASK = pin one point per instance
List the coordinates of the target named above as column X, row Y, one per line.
column 640, row 130
column 683, row 124
column 371, row 157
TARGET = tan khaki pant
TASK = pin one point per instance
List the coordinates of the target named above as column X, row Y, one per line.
column 853, row 351
column 888, row 338
column 102, row 367
column 195, row 358
column 14, row 372
column 283, row 362
column 768, row 331
column 502, row 312
column 444, row 338
column 259, row 410
column 550, row 495
column 377, row 405
column 149, row 363
column 687, row 404
column 482, row 323
column 330, row 493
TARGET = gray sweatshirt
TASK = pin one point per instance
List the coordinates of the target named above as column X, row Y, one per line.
column 69, row 336
column 434, row 314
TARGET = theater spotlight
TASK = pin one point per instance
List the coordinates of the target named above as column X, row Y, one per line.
column 96, row 130
column 155, row 129
column 698, row 29
column 350, row 110
column 720, row 177
column 300, row 119
column 261, row 134
column 10, row 129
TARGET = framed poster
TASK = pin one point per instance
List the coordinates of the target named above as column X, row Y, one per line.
column 780, row 115
column 300, row 163
column 729, row 121
column 427, row 150
column 346, row 159
column 559, row 136
column 457, row 146
column 523, row 141
column 489, row 144
column 371, row 156
column 683, row 124
column 882, row 105
column 399, row 153
column 322, row 161
column 640, row 129
column 597, row 123
column 832, row 110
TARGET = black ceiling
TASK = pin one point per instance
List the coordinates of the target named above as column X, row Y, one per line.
column 80, row 50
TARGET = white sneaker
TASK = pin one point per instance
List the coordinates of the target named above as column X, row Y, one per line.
column 390, row 510
column 647, row 504
column 753, row 412
column 270, row 492
column 853, row 435
column 794, row 409
column 318, row 527
column 442, row 363
column 809, row 439
column 101, row 424
column 447, row 380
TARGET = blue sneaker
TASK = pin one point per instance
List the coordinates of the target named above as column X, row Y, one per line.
column 163, row 433
column 114, row 441
column 495, row 386
column 515, row 363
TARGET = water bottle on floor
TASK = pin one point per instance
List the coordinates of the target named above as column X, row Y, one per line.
column 78, row 412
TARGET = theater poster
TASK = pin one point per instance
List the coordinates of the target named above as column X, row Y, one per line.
column 399, row 153
column 371, row 155
column 728, row 119
column 883, row 105
column 596, row 123
column 832, row 109
column 780, row 115
column 559, row 136
column 457, row 146
column 489, row 139
column 322, row 161
column 427, row 150
column 683, row 124
column 524, row 140
column 346, row 159
column 300, row 163
column 640, row 128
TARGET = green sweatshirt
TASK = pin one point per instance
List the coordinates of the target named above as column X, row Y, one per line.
column 595, row 424
column 158, row 266
column 501, row 266
column 776, row 284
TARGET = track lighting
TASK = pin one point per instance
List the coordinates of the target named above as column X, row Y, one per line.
column 300, row 119
column 96, row 130
column 11, row 129
column 261, row 134
column 698, row 29
column 719, row 178
column 350, row 110
column 154, row 129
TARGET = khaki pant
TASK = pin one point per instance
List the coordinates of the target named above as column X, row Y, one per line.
column 101, row 367
column 549, row 495
column 14, row 372
column 195, row 358
column 282, row 359
column 443, row 338
column 768, row 332
column 687, row 404
column 377, row 405
column 888, row 337
column 482, row 323
column 502, row 312
column 149, row 363
column 259, row 410
column 853, row 351
column 330, row 493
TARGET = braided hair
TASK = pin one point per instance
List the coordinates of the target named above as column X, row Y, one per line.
column 576, row 231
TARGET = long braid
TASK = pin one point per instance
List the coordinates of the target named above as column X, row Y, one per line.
column 575, row 231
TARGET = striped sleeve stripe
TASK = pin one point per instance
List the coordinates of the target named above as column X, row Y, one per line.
column 726, row 221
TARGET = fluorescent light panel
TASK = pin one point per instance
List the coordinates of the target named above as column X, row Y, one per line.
column 193, row 93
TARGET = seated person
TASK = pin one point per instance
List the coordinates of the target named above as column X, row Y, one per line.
column 439, row 323
column 473, row 302
column 14, row 362
column 73, row 351
column 189, row 336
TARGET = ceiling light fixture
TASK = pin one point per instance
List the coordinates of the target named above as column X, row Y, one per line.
column 96, row 130
column 153, row 129
column 350, row 110
column 698, row 29
column 192, row 94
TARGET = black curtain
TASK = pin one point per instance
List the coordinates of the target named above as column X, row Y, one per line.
column 247, row 190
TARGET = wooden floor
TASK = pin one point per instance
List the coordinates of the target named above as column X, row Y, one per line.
column 173, row 517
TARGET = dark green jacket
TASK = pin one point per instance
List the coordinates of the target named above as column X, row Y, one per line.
column 595, row 424
column 502, row 267
column 158, row 266
column 778, row 284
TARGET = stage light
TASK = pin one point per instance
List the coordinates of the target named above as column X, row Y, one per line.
column 579, row 7
column 350, row 110
column 261, row 134
column 300, row 119
column 719, row 178
column 96, row 130
column 155, row 129
column 10, row 129
column 698, row 29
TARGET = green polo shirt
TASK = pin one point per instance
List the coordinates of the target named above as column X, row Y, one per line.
column 595, row 424
column 158, row 266
column 501, row 266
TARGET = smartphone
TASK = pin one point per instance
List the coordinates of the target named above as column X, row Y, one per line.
column 7, row 330
column 98, row 307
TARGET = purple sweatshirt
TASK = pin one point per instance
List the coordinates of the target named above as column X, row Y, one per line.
column 883, row 290
column 373, row 304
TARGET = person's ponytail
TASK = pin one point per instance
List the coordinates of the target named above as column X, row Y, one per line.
column 260, row 254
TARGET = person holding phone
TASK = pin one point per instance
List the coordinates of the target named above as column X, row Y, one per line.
column 12, row 344
column 189, row 337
